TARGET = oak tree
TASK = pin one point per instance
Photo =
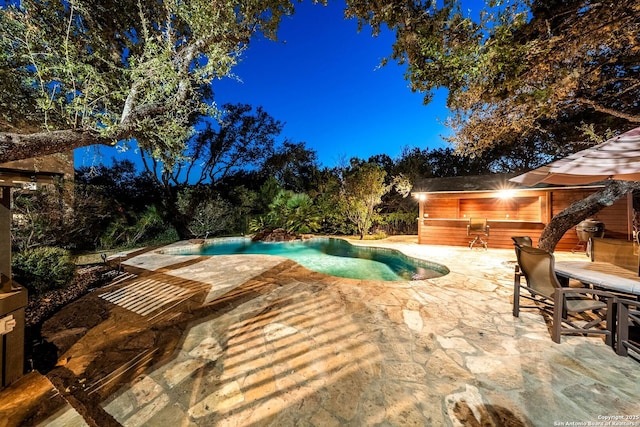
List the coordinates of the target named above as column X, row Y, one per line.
column 242, row 139
column 531, row 74
column 79, row 73
column 519, row 71
column 362, row 190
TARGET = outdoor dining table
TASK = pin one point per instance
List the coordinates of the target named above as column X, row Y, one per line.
column 601, row 275
column 612, row 278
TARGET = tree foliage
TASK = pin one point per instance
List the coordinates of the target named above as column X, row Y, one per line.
column 211, row 216
column 80, row 73
column 524, row 71
column 116, row 206
column 573, row 63
column 293, row 212
column 523, row 77
column 66, row 216
column 43, row 268
column 326, row 186
column 243, row 140
column 120, row 185
column 38, row 218
column 363, row 188
column 292, row 165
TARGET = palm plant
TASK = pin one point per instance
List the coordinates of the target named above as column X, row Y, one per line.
column 293, row 212
column 303, row 216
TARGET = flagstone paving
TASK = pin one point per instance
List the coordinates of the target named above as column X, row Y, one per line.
column 260, row 341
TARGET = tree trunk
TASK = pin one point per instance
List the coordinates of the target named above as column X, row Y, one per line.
column 583, row 209
column 173, row 215
column 180, row 222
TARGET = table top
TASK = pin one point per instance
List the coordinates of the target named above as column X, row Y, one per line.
column 600, row 274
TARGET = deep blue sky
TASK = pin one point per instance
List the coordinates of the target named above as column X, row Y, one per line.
column 323, row 80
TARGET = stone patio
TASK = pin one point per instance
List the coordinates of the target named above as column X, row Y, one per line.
column 259, row 341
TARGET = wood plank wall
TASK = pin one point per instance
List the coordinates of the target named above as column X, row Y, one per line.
column 614, row 217
column 445, row 217
column 454, row 233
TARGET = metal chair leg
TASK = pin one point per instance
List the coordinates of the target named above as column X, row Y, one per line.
column 479, row 240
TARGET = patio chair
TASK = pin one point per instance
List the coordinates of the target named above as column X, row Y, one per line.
column 628, row 329
column 477, row 228
column 522, row 241
column 565, row 305
column 622, row 253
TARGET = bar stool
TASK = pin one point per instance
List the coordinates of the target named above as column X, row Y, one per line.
column 478, row 228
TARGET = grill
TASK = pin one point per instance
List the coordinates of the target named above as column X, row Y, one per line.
column 589, row 228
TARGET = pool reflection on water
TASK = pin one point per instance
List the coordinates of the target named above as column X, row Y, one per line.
column 335, row 257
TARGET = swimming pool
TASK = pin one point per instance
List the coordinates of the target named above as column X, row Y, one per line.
column 335, row 257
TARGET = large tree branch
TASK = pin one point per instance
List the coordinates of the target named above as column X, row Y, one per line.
column 583, row 209
column 129, row 104
column 601, row 109
column 16, row 146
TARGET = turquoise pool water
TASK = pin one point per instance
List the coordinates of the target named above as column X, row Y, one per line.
column 335, row 257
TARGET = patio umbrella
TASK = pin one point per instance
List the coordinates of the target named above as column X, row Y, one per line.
column 617, row 158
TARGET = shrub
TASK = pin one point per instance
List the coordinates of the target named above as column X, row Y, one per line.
column 165, row 236
column 44, row 268
column 258, row 224
column 378, row 235
column 211, row 217
column 294, row 212
column 145, row 228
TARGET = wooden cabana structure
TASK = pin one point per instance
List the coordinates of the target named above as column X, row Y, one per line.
column 448, row 204
column 25, row 174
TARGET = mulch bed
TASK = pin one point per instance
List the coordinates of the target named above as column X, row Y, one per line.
column 40, row 354
column 41, row 307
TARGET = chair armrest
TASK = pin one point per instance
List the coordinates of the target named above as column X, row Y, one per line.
column 585, row 291
column 559, row 310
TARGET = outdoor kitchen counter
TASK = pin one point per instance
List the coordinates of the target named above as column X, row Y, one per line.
column 453, row 231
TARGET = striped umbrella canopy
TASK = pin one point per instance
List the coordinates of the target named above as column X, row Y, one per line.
column 617, row 158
